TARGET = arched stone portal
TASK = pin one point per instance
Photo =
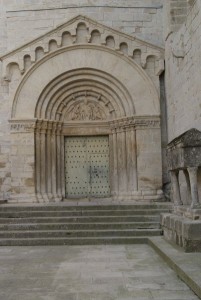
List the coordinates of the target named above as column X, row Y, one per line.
column 72, row 93
column 83, row 91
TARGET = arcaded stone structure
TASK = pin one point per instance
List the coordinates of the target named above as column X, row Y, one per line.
column 183, row 225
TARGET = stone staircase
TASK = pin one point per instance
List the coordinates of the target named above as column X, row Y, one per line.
column 64, row 224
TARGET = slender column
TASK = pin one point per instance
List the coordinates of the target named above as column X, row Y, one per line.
column 49, row 161
column 194, row 187
column 188, row 185
column 115, row 165
column 134, row 159
column 129, row 160
column 58, row 147
column 175, row 187
column 38, row 161
column 124, row 161
column 62, row 166
column 53, row 142
column 43, row 161
column 121, row 144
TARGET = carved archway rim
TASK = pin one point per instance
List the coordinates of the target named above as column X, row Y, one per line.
column 68, row 83
column 76, row 47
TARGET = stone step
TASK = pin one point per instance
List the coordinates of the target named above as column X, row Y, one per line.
column 66, row 207
column 87, row 224
column 79, row 233
column 81, row 219
column 73, row 241
column 76, row 226
column 78, row 213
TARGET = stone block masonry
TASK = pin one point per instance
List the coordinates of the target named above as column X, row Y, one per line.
column 183, row 50
column 23, row 22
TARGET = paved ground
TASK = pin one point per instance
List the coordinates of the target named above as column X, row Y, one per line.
column 88, row 273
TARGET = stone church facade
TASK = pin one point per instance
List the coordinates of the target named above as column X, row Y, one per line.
column 91, row 94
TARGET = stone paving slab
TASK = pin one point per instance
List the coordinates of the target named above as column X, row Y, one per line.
column 109, row 272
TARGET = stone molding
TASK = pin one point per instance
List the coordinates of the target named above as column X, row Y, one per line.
column 142, row 122
column 22, row 126
column 49, row 126
column 71, row 27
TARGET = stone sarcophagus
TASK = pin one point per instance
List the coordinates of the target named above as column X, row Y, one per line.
column 183, row 225
column 184, row 153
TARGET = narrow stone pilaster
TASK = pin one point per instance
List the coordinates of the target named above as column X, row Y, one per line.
column 194, row 187
column 175, row 187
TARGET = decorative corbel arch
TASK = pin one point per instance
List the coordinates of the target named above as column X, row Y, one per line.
column 135, row 82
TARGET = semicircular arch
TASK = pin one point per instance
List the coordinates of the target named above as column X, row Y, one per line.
column 68, row 86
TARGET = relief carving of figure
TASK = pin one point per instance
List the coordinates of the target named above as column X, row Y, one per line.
column 86, row 112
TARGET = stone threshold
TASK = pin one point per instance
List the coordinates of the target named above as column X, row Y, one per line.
column 87, row 202
column 186, row 265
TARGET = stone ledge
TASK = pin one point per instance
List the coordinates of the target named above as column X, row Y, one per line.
column 186, row 265
column 182, row 231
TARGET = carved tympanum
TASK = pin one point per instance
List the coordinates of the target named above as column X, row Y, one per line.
column 87, row 111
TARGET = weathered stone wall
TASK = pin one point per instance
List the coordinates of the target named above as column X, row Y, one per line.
column 26, row 20
column 183, row 71
column 175, row 13
column 183, row 65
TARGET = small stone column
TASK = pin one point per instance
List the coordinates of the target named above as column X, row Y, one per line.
column 122, row 167
column 186, row 174
column 194, row 187
column 175, row 186
column 54, row 159
column 134, row 159
column 62, row 165
column 58, row 165
column 49, row 161
column 114, row 173
column 38, row 160
column 43, row 161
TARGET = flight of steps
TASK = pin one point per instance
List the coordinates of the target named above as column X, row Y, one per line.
column 62, row 224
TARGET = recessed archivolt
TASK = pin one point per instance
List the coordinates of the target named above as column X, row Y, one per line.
column 73, row 87
column 56, row 109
